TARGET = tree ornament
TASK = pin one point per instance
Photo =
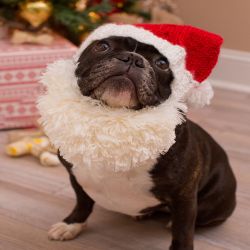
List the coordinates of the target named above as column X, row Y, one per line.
column 119, row 3
column 94, row 17
column 81, row 27
column 35, row 12
column 81, row 5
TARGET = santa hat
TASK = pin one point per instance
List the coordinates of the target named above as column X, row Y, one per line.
column 192, row 54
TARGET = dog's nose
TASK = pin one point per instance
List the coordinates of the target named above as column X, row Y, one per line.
column 131, row 58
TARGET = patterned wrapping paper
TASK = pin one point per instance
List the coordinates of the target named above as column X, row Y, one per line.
column 20, row 70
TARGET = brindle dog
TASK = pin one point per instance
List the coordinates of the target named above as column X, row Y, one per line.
column 193, row 179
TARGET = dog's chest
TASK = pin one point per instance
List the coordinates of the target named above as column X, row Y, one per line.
column 125, row 192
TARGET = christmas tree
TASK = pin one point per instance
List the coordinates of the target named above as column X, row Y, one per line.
column 76, row 18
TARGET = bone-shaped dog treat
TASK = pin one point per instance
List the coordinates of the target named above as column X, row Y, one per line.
column 27, row 145
column 38, row 146
column 49, row 159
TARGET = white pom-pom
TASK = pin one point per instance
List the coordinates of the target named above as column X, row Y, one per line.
column 200, row 94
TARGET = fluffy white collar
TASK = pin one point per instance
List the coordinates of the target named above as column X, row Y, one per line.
column 90, row 134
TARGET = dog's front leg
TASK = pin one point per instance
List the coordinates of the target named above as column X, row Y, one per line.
column 183, row 222
column 73, row 224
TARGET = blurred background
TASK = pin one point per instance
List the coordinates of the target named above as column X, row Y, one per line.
column 229, row 18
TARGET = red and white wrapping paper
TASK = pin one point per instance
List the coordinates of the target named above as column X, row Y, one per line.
column 20, row 70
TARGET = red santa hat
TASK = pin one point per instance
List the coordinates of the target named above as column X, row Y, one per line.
column 192, row 54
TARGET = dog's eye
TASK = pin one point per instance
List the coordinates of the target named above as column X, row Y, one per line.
column 102, row 46
column 162, row 63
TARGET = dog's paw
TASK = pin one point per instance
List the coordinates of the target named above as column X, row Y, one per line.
column 64, row 231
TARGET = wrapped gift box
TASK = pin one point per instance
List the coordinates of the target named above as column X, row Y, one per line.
column 20, row 69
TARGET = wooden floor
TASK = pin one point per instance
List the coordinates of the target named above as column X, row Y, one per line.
column 33, row 197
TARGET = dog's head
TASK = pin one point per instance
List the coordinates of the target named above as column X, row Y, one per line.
column 122, row 72
column 125, row 66
column 144, row 64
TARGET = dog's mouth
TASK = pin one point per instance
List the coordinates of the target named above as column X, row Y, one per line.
column 117, row 91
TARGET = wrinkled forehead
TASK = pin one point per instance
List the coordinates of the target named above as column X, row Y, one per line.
column 174, row 53
column 127, row 43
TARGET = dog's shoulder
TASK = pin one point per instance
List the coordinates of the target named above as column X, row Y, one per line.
column 176, row 167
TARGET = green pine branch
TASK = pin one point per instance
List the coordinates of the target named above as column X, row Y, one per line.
column 67, row 20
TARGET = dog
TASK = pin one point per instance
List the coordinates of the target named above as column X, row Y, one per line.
column 192, row 179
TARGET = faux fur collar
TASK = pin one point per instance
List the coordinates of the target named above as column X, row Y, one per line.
column 90, row 134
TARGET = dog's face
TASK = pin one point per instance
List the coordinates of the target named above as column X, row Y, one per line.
column 122, row 72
